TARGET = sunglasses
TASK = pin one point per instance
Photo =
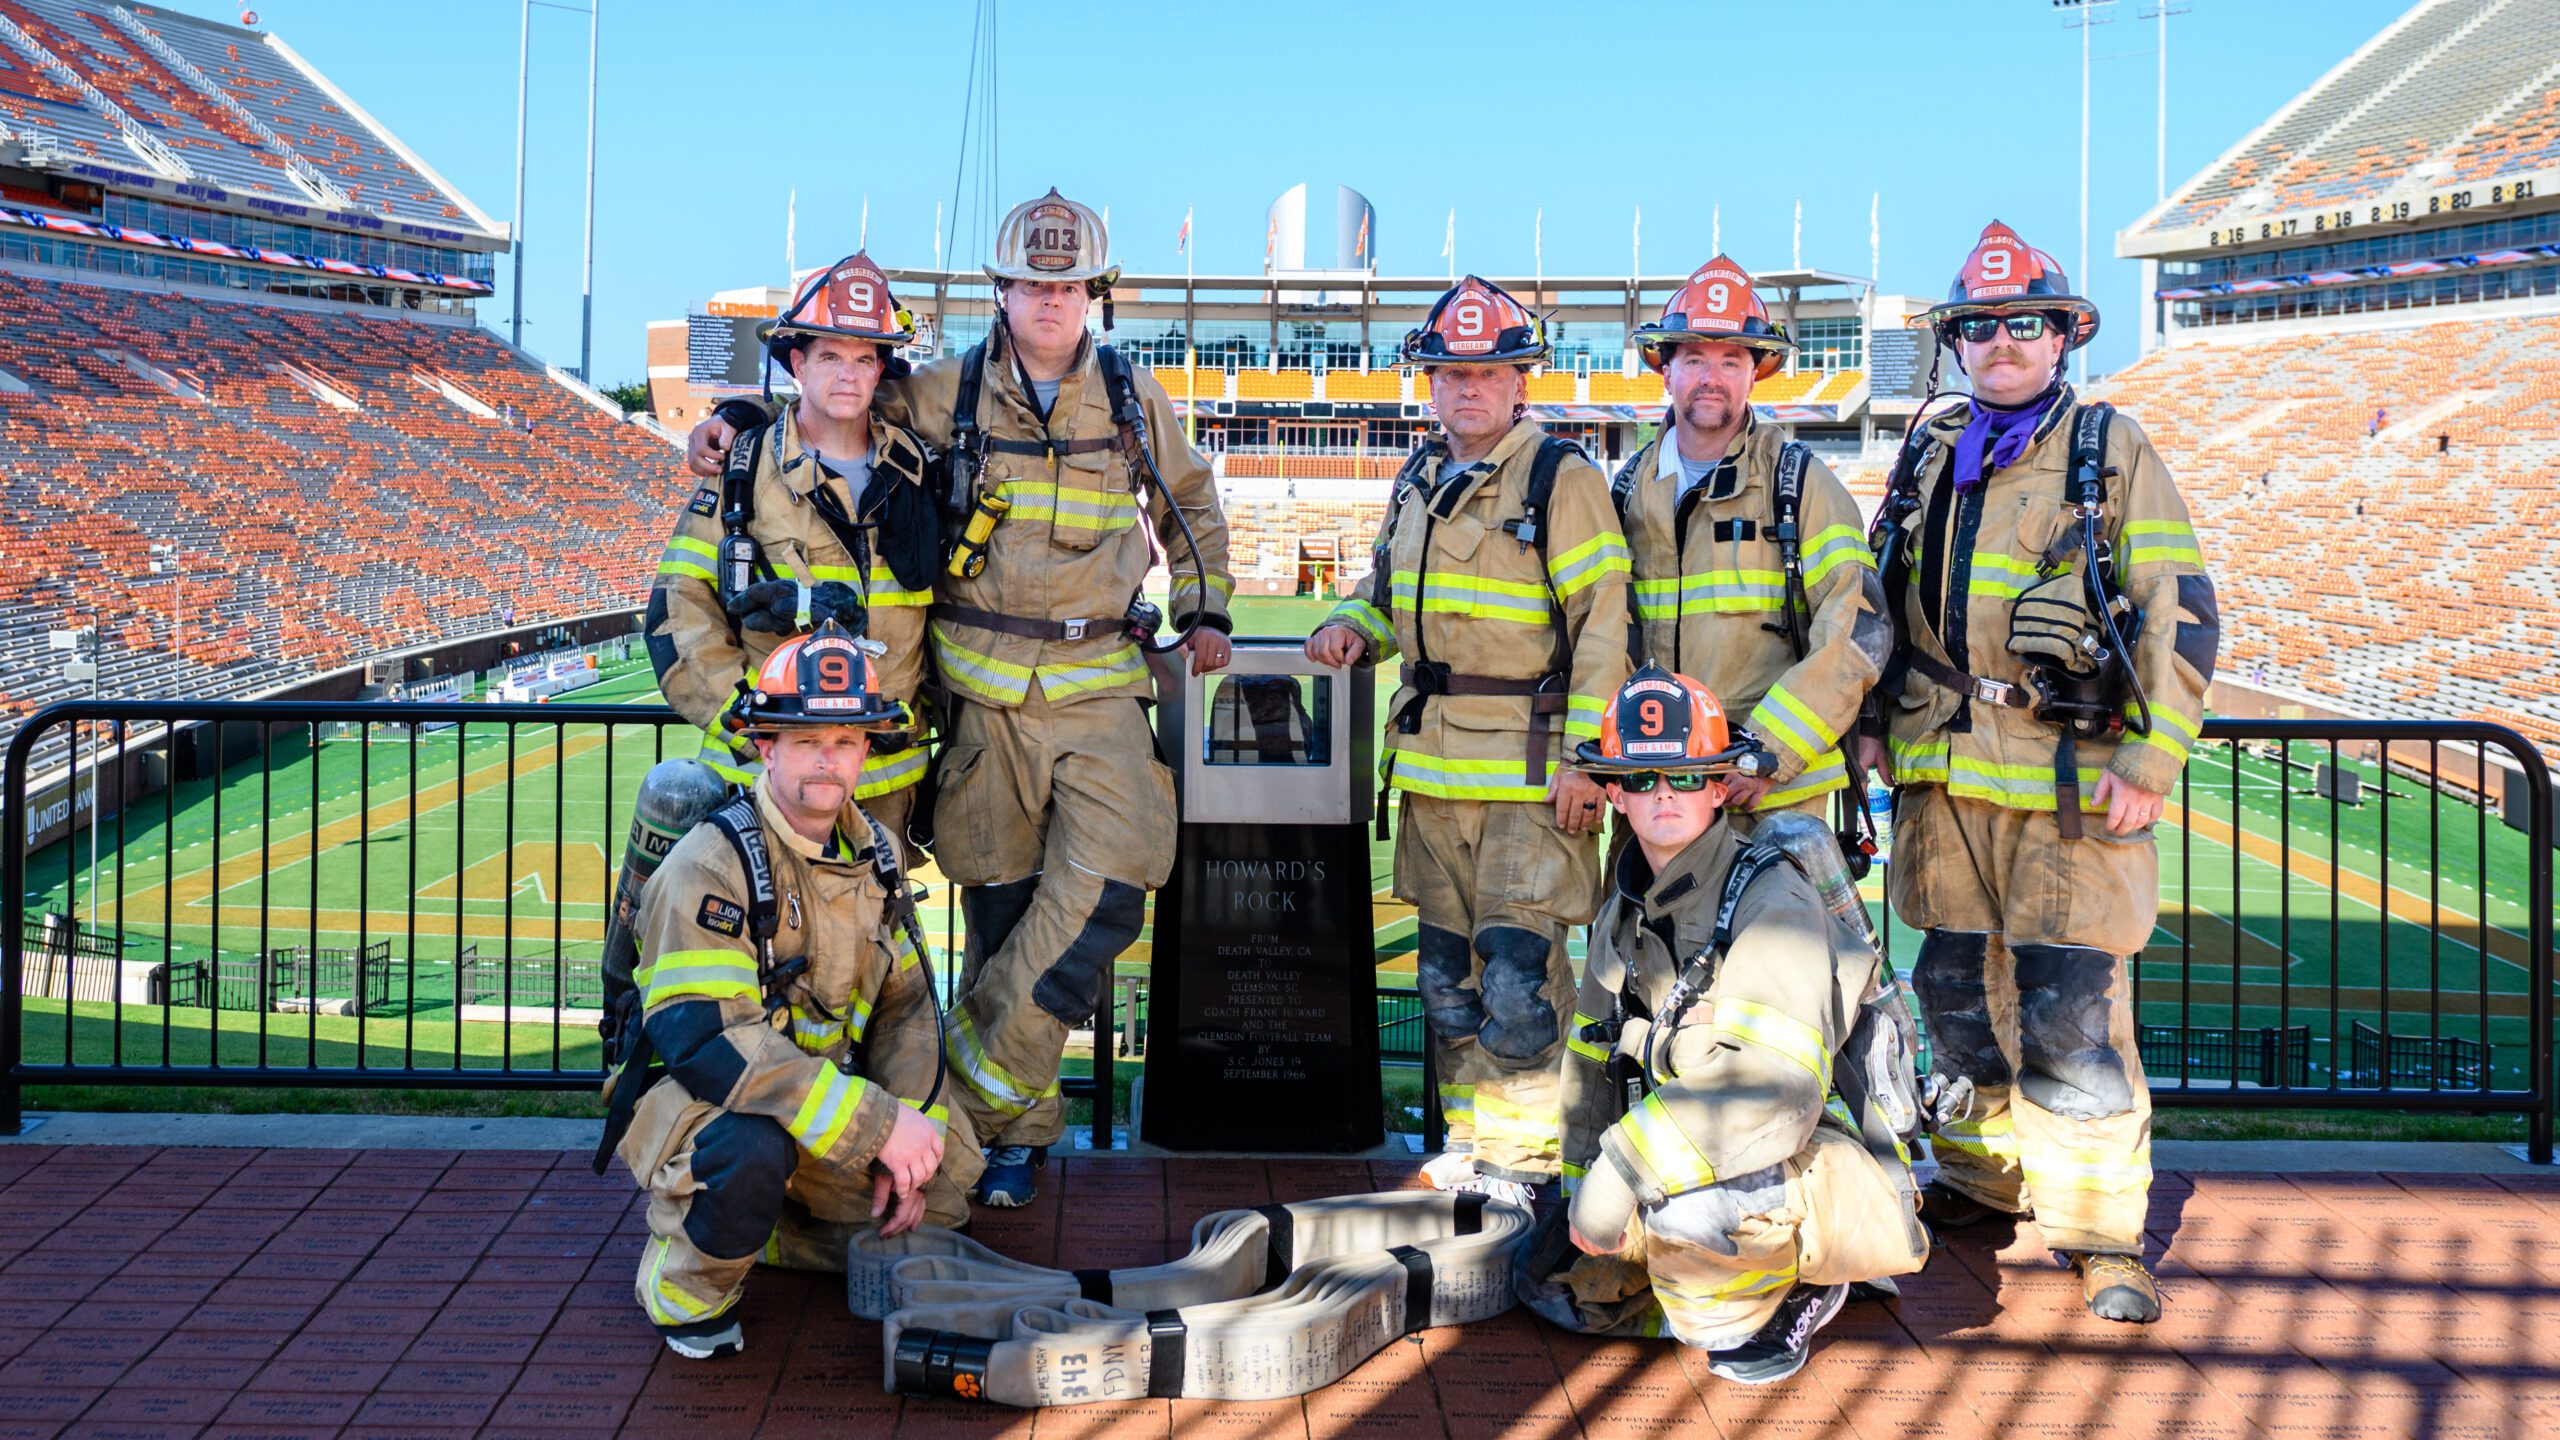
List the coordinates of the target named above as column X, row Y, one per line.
column 1641, row 782
column 1978, row 328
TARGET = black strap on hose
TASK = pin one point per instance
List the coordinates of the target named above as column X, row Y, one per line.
column 1280, row 1251
column 1470, row 1213
column 1417, row 1287
column 938, row 1362
column 1094, row 1285
column 1165, row 1332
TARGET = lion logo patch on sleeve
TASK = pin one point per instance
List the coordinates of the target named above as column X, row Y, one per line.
column 705, row 502
column 722, row 917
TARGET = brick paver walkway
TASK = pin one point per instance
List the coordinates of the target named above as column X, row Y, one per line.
column 162, row 1294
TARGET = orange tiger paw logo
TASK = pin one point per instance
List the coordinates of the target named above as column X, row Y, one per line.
column 966, row 1387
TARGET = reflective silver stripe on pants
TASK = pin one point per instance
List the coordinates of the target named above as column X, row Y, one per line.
column 1038, row 1340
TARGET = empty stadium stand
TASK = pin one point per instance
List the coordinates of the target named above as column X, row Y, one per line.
column 131, row 84
column 2453, row 90
column 2406, row 571
column 338, row 485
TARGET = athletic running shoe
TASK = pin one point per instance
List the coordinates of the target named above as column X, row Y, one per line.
column 1008, row 1183
column 712, row 1339
column 1458, row 1172
column 1780, row 1348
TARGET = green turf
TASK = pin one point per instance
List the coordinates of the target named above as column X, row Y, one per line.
column 437, row 874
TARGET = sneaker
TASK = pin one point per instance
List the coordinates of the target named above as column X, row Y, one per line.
column 1780, row 1347
column 1883, row 1290
column 2116, row 1287
column 1007, row 1183
column 1944, row 1207
column 716, row 1338
column 1458, row 1172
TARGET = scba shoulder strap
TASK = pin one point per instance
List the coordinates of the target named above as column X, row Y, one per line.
column 1786, row 511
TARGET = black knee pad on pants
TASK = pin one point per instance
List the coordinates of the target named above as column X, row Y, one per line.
column 2066, row 1064
column 1947, row 976
column 1072, row 989
column 742, row 1163
column 1442, row 965
column 994, row 910
column 1519, row 1024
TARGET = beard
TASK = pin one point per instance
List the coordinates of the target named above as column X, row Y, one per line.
column 1708, row 410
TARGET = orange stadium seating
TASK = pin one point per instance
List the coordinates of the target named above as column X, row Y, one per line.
column 312, row 535
column 1357, row 385
column 2377, row 570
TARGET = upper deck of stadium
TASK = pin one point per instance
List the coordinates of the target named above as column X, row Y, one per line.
column 143, row 98
column 2422, row 170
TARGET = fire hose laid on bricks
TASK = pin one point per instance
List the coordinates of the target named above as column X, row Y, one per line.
column 1271, row 1302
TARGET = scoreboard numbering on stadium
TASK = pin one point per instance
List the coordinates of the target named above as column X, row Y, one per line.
column 2443, row 202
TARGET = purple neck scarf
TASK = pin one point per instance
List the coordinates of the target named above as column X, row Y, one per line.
column 2004, row 433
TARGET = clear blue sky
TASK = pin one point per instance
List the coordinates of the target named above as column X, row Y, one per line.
column 1955, row 110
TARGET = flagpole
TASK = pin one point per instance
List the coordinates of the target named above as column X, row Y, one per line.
column 1190, row 343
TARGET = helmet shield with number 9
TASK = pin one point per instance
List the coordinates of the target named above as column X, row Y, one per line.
column 822, row 678
column 1476, row 322
column 2006, row 276
column 1717, row 306
column 1665, row 721
column 850, row 298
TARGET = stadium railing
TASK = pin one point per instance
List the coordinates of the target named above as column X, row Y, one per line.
column 448, row 833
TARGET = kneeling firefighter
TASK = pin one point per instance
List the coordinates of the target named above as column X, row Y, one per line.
column 1500, row 579
column 821, row 515
column 1064, row 479
column 1739, row 1088
column 2055, row 635
column 785, row 1082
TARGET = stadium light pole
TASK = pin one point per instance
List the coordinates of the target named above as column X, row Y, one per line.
column 587, row 285
column 2087, row 11
column 524, row 73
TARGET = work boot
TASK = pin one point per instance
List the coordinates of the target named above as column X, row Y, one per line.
column 1944, row 1207
column 1780, row 1347
column 2116, row 1287
column 714, row 1339
column 1007, row 1183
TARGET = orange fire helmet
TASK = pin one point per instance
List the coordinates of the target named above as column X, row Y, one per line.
column 1476, row 322
column 822, row 678
column 1666, row 721
column 1718, row 306
column 2005, row 275
column 850, row 298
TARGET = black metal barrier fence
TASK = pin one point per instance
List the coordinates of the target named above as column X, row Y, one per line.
column 414, row 895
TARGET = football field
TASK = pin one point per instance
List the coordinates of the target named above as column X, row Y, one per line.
column 480, row 870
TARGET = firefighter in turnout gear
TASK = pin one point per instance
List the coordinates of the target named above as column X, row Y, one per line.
column 828, row 515
column 1739, row 1084
column 1500, row 581
column 2056, row 631
column 1055, row 815
column 789, row 1018
column 1751, row 566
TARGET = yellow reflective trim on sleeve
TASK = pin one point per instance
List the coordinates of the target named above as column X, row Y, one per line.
column 1582, row 717
column 1582, row 566
column 2158, row 527
column 826, row 1110
column 1822, row 779
column 1794, row 724
column 713, row 974
column 1832, row 547
column 1367, row 619
column 897, row 772
column 1574, row 1042
column 2164, row 555
column 1674, row 1159
column 1774, row 1029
